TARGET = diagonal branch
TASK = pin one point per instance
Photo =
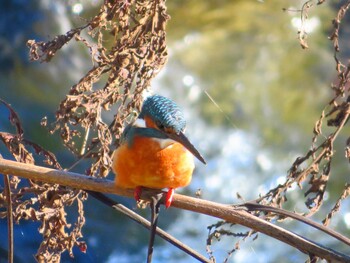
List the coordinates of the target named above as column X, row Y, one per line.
column 144, row 222
column 226, row 212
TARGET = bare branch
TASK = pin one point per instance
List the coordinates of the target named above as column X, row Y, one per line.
column 225, row 212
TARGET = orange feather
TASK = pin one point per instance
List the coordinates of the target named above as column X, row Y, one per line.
column 147, row 164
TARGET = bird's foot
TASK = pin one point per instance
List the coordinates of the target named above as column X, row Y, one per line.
column 169, row 197
column 137, row 193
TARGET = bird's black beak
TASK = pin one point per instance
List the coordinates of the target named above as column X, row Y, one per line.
column 181, row 138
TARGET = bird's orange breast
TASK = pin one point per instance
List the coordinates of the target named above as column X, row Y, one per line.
column 147, row 164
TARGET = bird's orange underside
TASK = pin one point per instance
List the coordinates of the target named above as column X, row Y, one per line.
column 147, row 164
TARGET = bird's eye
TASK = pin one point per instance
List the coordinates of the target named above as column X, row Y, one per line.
column 160, row 125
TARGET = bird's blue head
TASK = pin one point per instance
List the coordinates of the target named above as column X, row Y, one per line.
column 166, row 120
column 165, row 114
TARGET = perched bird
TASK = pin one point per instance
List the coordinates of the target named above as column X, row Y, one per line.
column 154, row 151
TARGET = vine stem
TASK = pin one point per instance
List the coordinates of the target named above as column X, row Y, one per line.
column 9, row 217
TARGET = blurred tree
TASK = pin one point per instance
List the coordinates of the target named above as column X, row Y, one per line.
column 246, row 56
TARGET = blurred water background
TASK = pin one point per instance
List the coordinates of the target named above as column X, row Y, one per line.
column 245, row 56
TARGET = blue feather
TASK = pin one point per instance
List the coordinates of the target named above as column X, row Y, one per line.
column 164, row 112
column 130, row 132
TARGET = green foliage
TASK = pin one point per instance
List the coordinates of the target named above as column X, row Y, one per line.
column 247, row 57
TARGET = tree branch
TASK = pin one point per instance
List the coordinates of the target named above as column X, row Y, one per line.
column 225, row 212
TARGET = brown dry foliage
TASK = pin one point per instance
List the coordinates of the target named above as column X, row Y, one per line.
column 314, row 168
column 119, row 74
column 38, row 201
column 138, row 52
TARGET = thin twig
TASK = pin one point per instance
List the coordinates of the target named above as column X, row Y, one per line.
column 83, row 146
column 9, row 217
column 251, row 206
column 155, row 205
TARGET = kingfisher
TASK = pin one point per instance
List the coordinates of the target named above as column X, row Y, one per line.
column 154, row 151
